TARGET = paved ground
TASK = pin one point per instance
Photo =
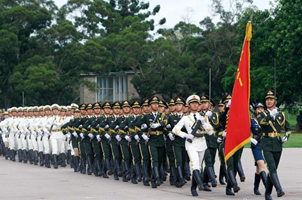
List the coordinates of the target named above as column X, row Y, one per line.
column 25, row 181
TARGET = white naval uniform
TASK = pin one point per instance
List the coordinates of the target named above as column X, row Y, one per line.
column 56, row 137
column 12, row 132
column 16, row 124
column 33, row 129
column 23, row 129
column 3, row 127
column 198, row 146
column 46, row 124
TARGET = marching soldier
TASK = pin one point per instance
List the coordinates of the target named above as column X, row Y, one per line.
column 271, row 122
column 196, row 145
column 46, row 125
column 3, row 127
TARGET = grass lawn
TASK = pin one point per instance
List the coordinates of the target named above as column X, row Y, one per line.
column 295, row 140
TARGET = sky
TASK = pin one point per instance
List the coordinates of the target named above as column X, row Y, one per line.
column 176, row 10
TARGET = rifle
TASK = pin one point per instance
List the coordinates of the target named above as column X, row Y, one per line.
column 194, row 131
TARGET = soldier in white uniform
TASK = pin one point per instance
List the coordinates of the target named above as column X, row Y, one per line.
column 56, row 136
column 197, row 145
column 4, row 133
column 17, row 123
column 23, row 130
column 35, row 131
column 12, row 132
column 41, row 118
column 46, row 123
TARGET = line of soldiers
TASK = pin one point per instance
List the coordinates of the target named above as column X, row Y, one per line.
column 138, row 141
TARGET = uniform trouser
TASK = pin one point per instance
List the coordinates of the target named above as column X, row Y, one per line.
column 145, row 154
column 272, row 159
column 88, row 147
column 74, row 142
column 208, row 158
column 156, row 155
column 221, row 155
column 71, row 148
column 34, row 142
column 196, row 158
column 181, row 156
column 64, row 144
column 96, row 149
column 213, row 154
column 18, row 141
column 125, row 150
column 81, row 148
column 106, row 149
column 4, row 138
column 29, row 143
column 24, row 142
column 56, row 140
column 46, row 144
column 40, row 143
column 170, row 153
column 115, row 149
column 136, row 157
column 232, row 162
column 12, row 141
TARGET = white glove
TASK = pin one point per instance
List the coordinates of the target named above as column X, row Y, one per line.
column 90, row 135
column 168, row 126
column 144, row 126
column 82, row 135
column 118, row 138
column 228, row 104
column 219, row 140
column 98, row 137
column 145, row 137
column 107, row 136
column 209, row 113
column 128, row 138
column 189, row 136
column 136, row 137
column 34, row 134
column 274, row 112
column 75, row 134
column 171, row 136
column 68, row 136
column 81, row 126
column 254, row 141
column 0, row 132
column 116, row 127
column 202, row 119
column 165, row 138
column 107, row 126
column 224, row 133
column 285, row 138
column 156, row 125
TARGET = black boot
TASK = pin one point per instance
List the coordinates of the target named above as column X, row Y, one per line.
column 133, row 175
column 197, row 177
column 68, row 157
column 181, row 181
column 63, row 160
column 146, row 173
column 241, row 172
column 138, row 172
column 83, row 165
column 20, row 157
column 36, row 157
column 276, row 183
column 269, row 188
column 71, row 162
column 222, row 175
column 89, row 168
column 127, row 171
column 118, row 168
column 115, row 176
column 263, row 177
column 76, row 162
column 109, row 171
column 24, row 156
column 13, row 155
column 205, row 179
column 98, row 168
column 47, row 162
column 256, row 184
column 156, row 175
column 228, row 190
column 41, row 159
column 163, row 174
column 31, row 156
column 55, row 161
column 193, row 187
column 173, row 176
column 211, row 175
column 187, row 174
column 232, row 179
column 6, row 153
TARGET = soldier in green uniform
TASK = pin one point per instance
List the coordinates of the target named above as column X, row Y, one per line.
column 134, row 144
column 145, row 155
column 210, row 152
column 271, row 122
column 152, row 125
column 105, row 137
column 181, row 157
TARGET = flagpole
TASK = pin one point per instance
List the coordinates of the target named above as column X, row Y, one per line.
column 210, row 87
column 275, row 90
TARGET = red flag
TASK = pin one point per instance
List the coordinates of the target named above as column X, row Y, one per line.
column 238, row 125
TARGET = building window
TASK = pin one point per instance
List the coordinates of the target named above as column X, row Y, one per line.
column 112, row 88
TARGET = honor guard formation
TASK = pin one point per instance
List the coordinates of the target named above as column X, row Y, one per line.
column 145, row 141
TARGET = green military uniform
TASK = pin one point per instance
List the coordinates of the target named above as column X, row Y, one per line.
column 74, row 140
column 272, row 122
column 156, row 141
